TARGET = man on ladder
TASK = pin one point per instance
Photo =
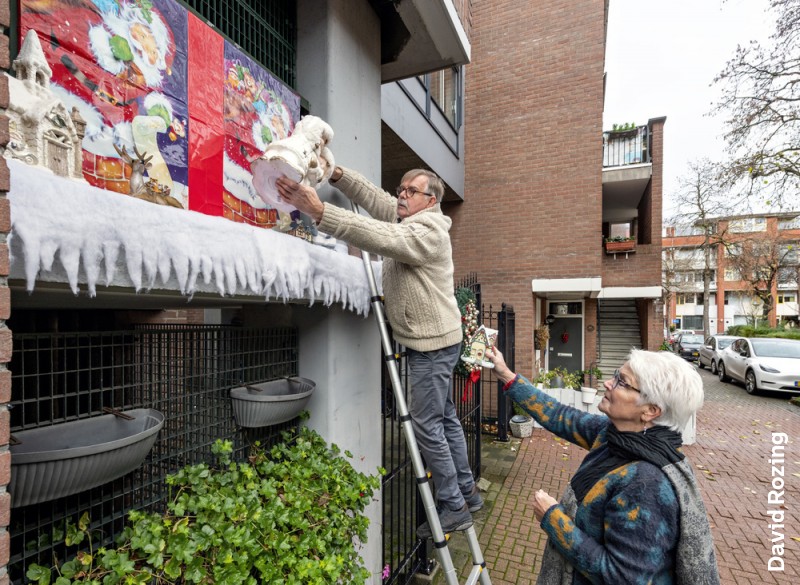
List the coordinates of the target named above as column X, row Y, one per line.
column 412, row 234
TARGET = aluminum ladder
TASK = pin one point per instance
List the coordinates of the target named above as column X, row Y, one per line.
column 479, row 571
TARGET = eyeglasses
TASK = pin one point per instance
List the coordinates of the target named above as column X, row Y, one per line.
column 618, row 381
column 410, row 190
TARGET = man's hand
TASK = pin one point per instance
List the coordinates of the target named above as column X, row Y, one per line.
column 542, row 502
column 300, row 196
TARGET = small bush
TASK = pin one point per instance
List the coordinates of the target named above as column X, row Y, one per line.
column 291, row 515
column 750, row 331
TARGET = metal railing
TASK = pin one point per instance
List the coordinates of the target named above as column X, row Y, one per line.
column 628, row 147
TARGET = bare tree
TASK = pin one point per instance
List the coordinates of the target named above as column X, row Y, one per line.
column 759, row 259
column 760, row 91
column 700, row 201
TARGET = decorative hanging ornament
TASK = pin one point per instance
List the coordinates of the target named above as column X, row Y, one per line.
column 565, row 337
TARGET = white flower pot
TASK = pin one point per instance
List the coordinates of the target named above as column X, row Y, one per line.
column 588, row 394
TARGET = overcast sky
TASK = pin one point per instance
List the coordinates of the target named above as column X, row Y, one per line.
column 661, row 58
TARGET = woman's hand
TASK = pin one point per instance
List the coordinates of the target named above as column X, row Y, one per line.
column 300, row 196
column 542, row 502
column 501, row 370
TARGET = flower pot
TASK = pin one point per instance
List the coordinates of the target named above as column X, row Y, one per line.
column 521, row 426
column 270, row 403
column 67, row 458
column 625, row 246
column 588, row 394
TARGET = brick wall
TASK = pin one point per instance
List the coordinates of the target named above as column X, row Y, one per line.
column 533, row 184
column 5, row 305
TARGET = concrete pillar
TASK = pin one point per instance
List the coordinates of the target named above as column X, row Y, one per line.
column 338, row 73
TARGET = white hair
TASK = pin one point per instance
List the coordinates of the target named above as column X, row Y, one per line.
column 669, row 382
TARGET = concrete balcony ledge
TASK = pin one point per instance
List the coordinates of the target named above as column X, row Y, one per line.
column 420, row 36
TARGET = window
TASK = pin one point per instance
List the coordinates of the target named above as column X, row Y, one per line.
column 732, row 275
column 688, row 254
column 620, row 230
column 789, row 224
column 785, row 298
column 693, row 322
column 728, row 296
column 787, row 275
column 733, row 250
column 444, row 87
column 747, row 225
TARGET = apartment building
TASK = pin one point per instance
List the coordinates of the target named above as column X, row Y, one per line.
column 767, row 242
column 545, row 187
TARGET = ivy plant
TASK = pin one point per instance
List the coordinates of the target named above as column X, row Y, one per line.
column 293, row 514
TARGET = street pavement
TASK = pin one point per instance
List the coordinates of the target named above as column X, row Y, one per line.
column 735, row 433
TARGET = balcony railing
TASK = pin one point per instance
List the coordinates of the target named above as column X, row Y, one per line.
column 628, row 147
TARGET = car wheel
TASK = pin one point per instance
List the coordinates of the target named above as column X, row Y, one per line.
column 750, row 384
column 721, row 373
column 713, row 367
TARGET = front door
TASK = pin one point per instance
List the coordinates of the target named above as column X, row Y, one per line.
column 565, row 346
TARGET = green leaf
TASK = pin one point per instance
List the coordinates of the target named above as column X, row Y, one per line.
column 39, row 574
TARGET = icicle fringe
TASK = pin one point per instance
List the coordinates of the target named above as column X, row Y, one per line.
column 66, row 230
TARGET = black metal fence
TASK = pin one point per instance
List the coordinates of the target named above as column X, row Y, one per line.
column 403, row 553
column 185, row 372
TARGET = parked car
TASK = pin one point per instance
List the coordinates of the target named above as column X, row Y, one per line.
column 762, row 364
column 673, row 338
column 710, row 350
column 687, row 345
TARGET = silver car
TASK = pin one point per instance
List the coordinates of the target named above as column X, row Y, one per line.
column 710, row 350
column 762, row 364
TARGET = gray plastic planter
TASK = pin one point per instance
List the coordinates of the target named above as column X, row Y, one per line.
column 270, row 403
column 67, row 458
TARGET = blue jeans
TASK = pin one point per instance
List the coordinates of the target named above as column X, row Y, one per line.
column 436, row 426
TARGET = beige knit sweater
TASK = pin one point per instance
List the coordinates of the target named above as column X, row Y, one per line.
column 417, row 266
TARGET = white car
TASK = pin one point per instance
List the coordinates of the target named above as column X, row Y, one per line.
column 762, row 363
column 710, row 350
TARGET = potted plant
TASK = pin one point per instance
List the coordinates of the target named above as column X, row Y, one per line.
column 620, row 244
column 521, row 423
column 293, row 513
column 620, row 131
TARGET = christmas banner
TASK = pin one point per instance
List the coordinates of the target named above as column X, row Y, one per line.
column 160, row 90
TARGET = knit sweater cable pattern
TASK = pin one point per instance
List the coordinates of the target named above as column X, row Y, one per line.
column 626, row 529
column 417, row 266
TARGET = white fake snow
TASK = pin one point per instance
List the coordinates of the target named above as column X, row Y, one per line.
column 68, row 231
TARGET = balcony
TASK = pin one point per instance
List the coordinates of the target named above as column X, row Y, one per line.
column 626, row 147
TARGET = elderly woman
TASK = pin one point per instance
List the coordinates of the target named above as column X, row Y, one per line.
column 632, row 513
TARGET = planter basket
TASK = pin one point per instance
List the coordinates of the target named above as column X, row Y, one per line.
column 625, row 246
column 68, row 458
column 521, row 426
column 270, row 403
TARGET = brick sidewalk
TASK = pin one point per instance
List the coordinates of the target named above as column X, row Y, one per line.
column 734, row 441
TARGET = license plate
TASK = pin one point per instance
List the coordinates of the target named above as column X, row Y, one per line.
column 797, row 384
column 695, row 354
